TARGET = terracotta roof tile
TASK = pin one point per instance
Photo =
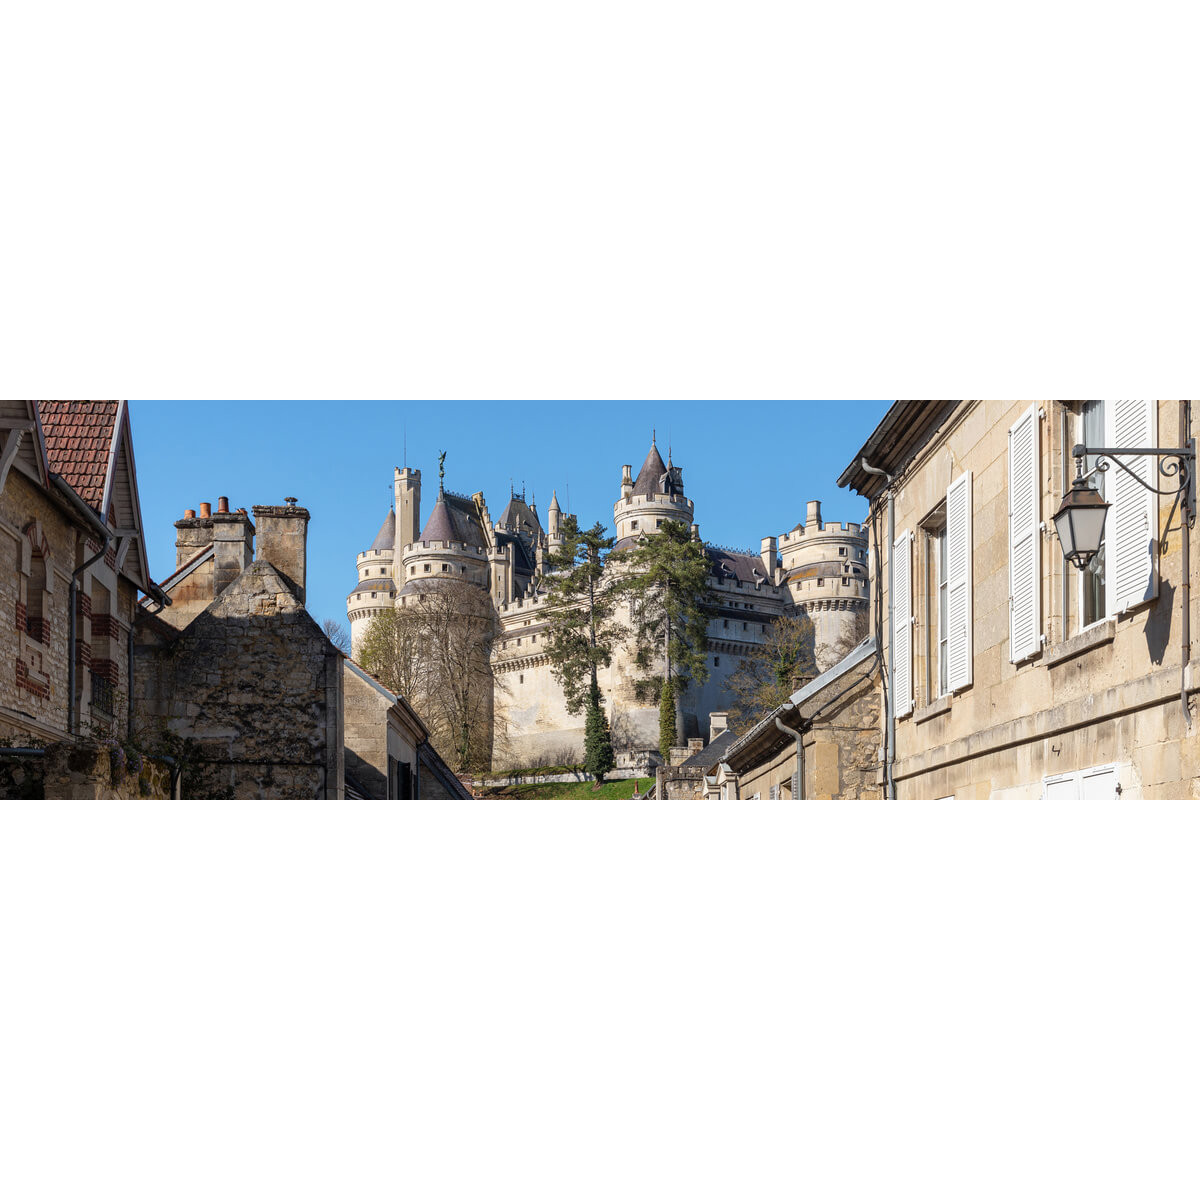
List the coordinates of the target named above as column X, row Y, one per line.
column 79, row 437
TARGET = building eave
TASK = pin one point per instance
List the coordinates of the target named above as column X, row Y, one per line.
column 896, row 440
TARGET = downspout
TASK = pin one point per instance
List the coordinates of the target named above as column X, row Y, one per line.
column 152, row 590
column 890, row 717
column 1187, row 516
column 798, row 737
column 72, row 712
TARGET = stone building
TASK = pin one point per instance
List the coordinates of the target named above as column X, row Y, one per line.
column 823, row 744
column 237, row 674
column 1007, row 672
column 388, row 752
column 239, row 679
column 75, row 561
column 817, row 568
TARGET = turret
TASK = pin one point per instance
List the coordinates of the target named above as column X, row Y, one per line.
column 554, row 523
column 655, row 496
column 408, row 505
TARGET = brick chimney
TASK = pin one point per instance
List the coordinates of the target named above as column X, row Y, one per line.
column 233, row 545
column 282, row 541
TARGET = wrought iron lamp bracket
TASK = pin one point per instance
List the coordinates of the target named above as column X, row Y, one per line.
column 1175, row 462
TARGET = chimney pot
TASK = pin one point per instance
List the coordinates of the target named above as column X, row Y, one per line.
column 189, row 514
column 289, row 500
column 222, row 504
column 205, row 510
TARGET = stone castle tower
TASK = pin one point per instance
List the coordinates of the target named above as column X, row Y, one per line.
column 816, row 568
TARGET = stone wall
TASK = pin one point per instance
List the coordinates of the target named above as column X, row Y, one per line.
column 84, row 771
column 250, row 691
column 33, row 669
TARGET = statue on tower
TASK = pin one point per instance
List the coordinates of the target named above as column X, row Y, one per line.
column 442, row 471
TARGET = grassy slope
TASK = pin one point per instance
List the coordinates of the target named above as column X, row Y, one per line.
column 615, row 789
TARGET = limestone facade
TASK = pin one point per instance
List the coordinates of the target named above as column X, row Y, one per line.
column 1013, row 674
column 817, row 568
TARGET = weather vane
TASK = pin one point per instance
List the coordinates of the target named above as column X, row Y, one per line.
column 442, row 467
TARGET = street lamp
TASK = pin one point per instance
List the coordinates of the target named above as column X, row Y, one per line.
column 1080, row 517
column 1080, row 520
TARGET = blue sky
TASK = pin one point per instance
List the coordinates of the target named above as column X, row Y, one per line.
column 750, row 467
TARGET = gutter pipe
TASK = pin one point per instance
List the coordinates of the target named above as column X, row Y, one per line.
column 798, row 736
column 90, row 518
column 72, row 709
column 890, row 718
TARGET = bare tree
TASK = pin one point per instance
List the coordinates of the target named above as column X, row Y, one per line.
column 337, row 633
column 435, row 651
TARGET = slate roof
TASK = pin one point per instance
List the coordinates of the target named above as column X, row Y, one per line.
column 382, row 583
column 453, row 520
column 518, row 513
column 79, row 438
column 653, row 469
column 385, row 539
column 727, row 564
column 713, row 753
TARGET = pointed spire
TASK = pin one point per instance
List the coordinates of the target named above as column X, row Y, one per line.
column 554, row 502
column 653, row 469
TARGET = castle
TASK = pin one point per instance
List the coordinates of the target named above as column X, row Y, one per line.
column 818, row 568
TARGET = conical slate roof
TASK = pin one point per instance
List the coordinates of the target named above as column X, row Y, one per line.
column 385, row 539
column 453, row 519
column 653, row 469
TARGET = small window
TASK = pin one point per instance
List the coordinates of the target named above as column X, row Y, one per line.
column 373, row 595
column 634, row 525
column 716, row 660
column 657, row 524
column 445, row 566
column 725, row 624
column 520, row 678
column 842, row 551
column 518, row 643
column 427, row 568
column 534, row 638
column 820, row 582
column 744, row 627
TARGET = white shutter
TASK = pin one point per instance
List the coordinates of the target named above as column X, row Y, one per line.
column 902, row 695
column 958, row 580
column 1024, row 538
column 1132, row 527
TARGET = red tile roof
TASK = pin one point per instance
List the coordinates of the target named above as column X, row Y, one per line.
column 79, row 435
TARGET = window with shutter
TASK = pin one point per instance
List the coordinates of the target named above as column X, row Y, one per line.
column 1024, row 538
column 902, row 694
column 958, row 583
column 1132, row 527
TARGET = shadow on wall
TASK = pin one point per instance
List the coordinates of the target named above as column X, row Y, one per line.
column 1158, row 624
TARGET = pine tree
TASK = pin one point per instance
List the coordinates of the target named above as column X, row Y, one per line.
column 598, row 757
column 667, row 581
column 582, row 630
